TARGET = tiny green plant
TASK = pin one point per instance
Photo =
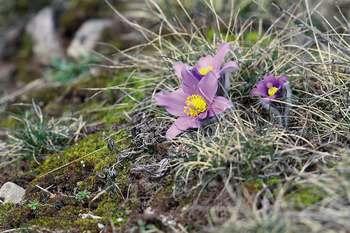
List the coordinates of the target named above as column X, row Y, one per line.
column 82, row 196
column 65, row 71
column 33, row 205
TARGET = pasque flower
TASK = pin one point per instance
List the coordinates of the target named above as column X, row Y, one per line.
column 270, row 87
column 195, row 101
column 275, row 88
column 215, row 64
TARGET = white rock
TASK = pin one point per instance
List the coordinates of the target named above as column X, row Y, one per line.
column 100, row 226
column 87, row 36
column 12, row 193
column 46, row 40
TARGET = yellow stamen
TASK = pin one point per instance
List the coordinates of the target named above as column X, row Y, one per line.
column 272, row 91
column 205, row 70
column 195, row 105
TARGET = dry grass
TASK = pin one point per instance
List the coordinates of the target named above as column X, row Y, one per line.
column 246, row 143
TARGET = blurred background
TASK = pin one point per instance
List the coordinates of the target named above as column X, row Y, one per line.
column 37, row 36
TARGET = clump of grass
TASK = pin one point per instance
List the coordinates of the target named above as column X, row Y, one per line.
column 36, row 135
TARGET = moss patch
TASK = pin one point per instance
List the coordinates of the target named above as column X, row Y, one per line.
column 8, row 122
column 4, row 210
column 92, row 151
column 305, row 196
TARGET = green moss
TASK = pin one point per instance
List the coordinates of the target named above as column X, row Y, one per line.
column 8, row 122
column 66, row 218
column 304, row 196
column 95, row 145
column 252, row 37
column 211, row 34
column 16, row 216
column 111, row 211
column 5, row 209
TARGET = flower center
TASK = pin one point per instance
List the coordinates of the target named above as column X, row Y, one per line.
column 195, row 105
column 205, row 70
column 272, row 91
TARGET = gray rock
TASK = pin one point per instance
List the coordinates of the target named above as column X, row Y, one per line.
column 12, row 193
column 87, row 37
column 46, row 40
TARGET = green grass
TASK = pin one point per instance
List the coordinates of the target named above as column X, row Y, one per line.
column 36, row 135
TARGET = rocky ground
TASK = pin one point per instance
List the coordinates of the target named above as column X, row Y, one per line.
column 82, row 146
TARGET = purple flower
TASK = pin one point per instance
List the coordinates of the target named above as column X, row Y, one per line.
column 195, row 101
column 209, row 64
column 270, row 87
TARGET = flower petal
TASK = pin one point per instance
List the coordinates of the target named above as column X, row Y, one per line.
column 219, row 105
column 208, row 86
column 173, row 102
column 260, row 89
column 206, row 61
column 219, row 57
column 189, row 82
column 178, row 67
column 230, row 66
column 181, row 124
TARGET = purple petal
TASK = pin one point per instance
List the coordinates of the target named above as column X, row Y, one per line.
column 230, row 66
column 260, row 90
column 282, row 80
column 219, row 57
column 208, row 86
column 219, row 105
column 178, row 67
column 181, row 124
column 189, row 82
column 205, row 62
column 173, row 102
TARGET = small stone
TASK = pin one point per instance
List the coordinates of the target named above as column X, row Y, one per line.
column 12, row 193
column 46, row 40
column 87, row 37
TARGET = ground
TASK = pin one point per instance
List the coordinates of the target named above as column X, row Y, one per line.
column 87, row 141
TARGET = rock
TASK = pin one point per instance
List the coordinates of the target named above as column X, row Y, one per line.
column 12, row 193
column 87, row 36
column 43, row 32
